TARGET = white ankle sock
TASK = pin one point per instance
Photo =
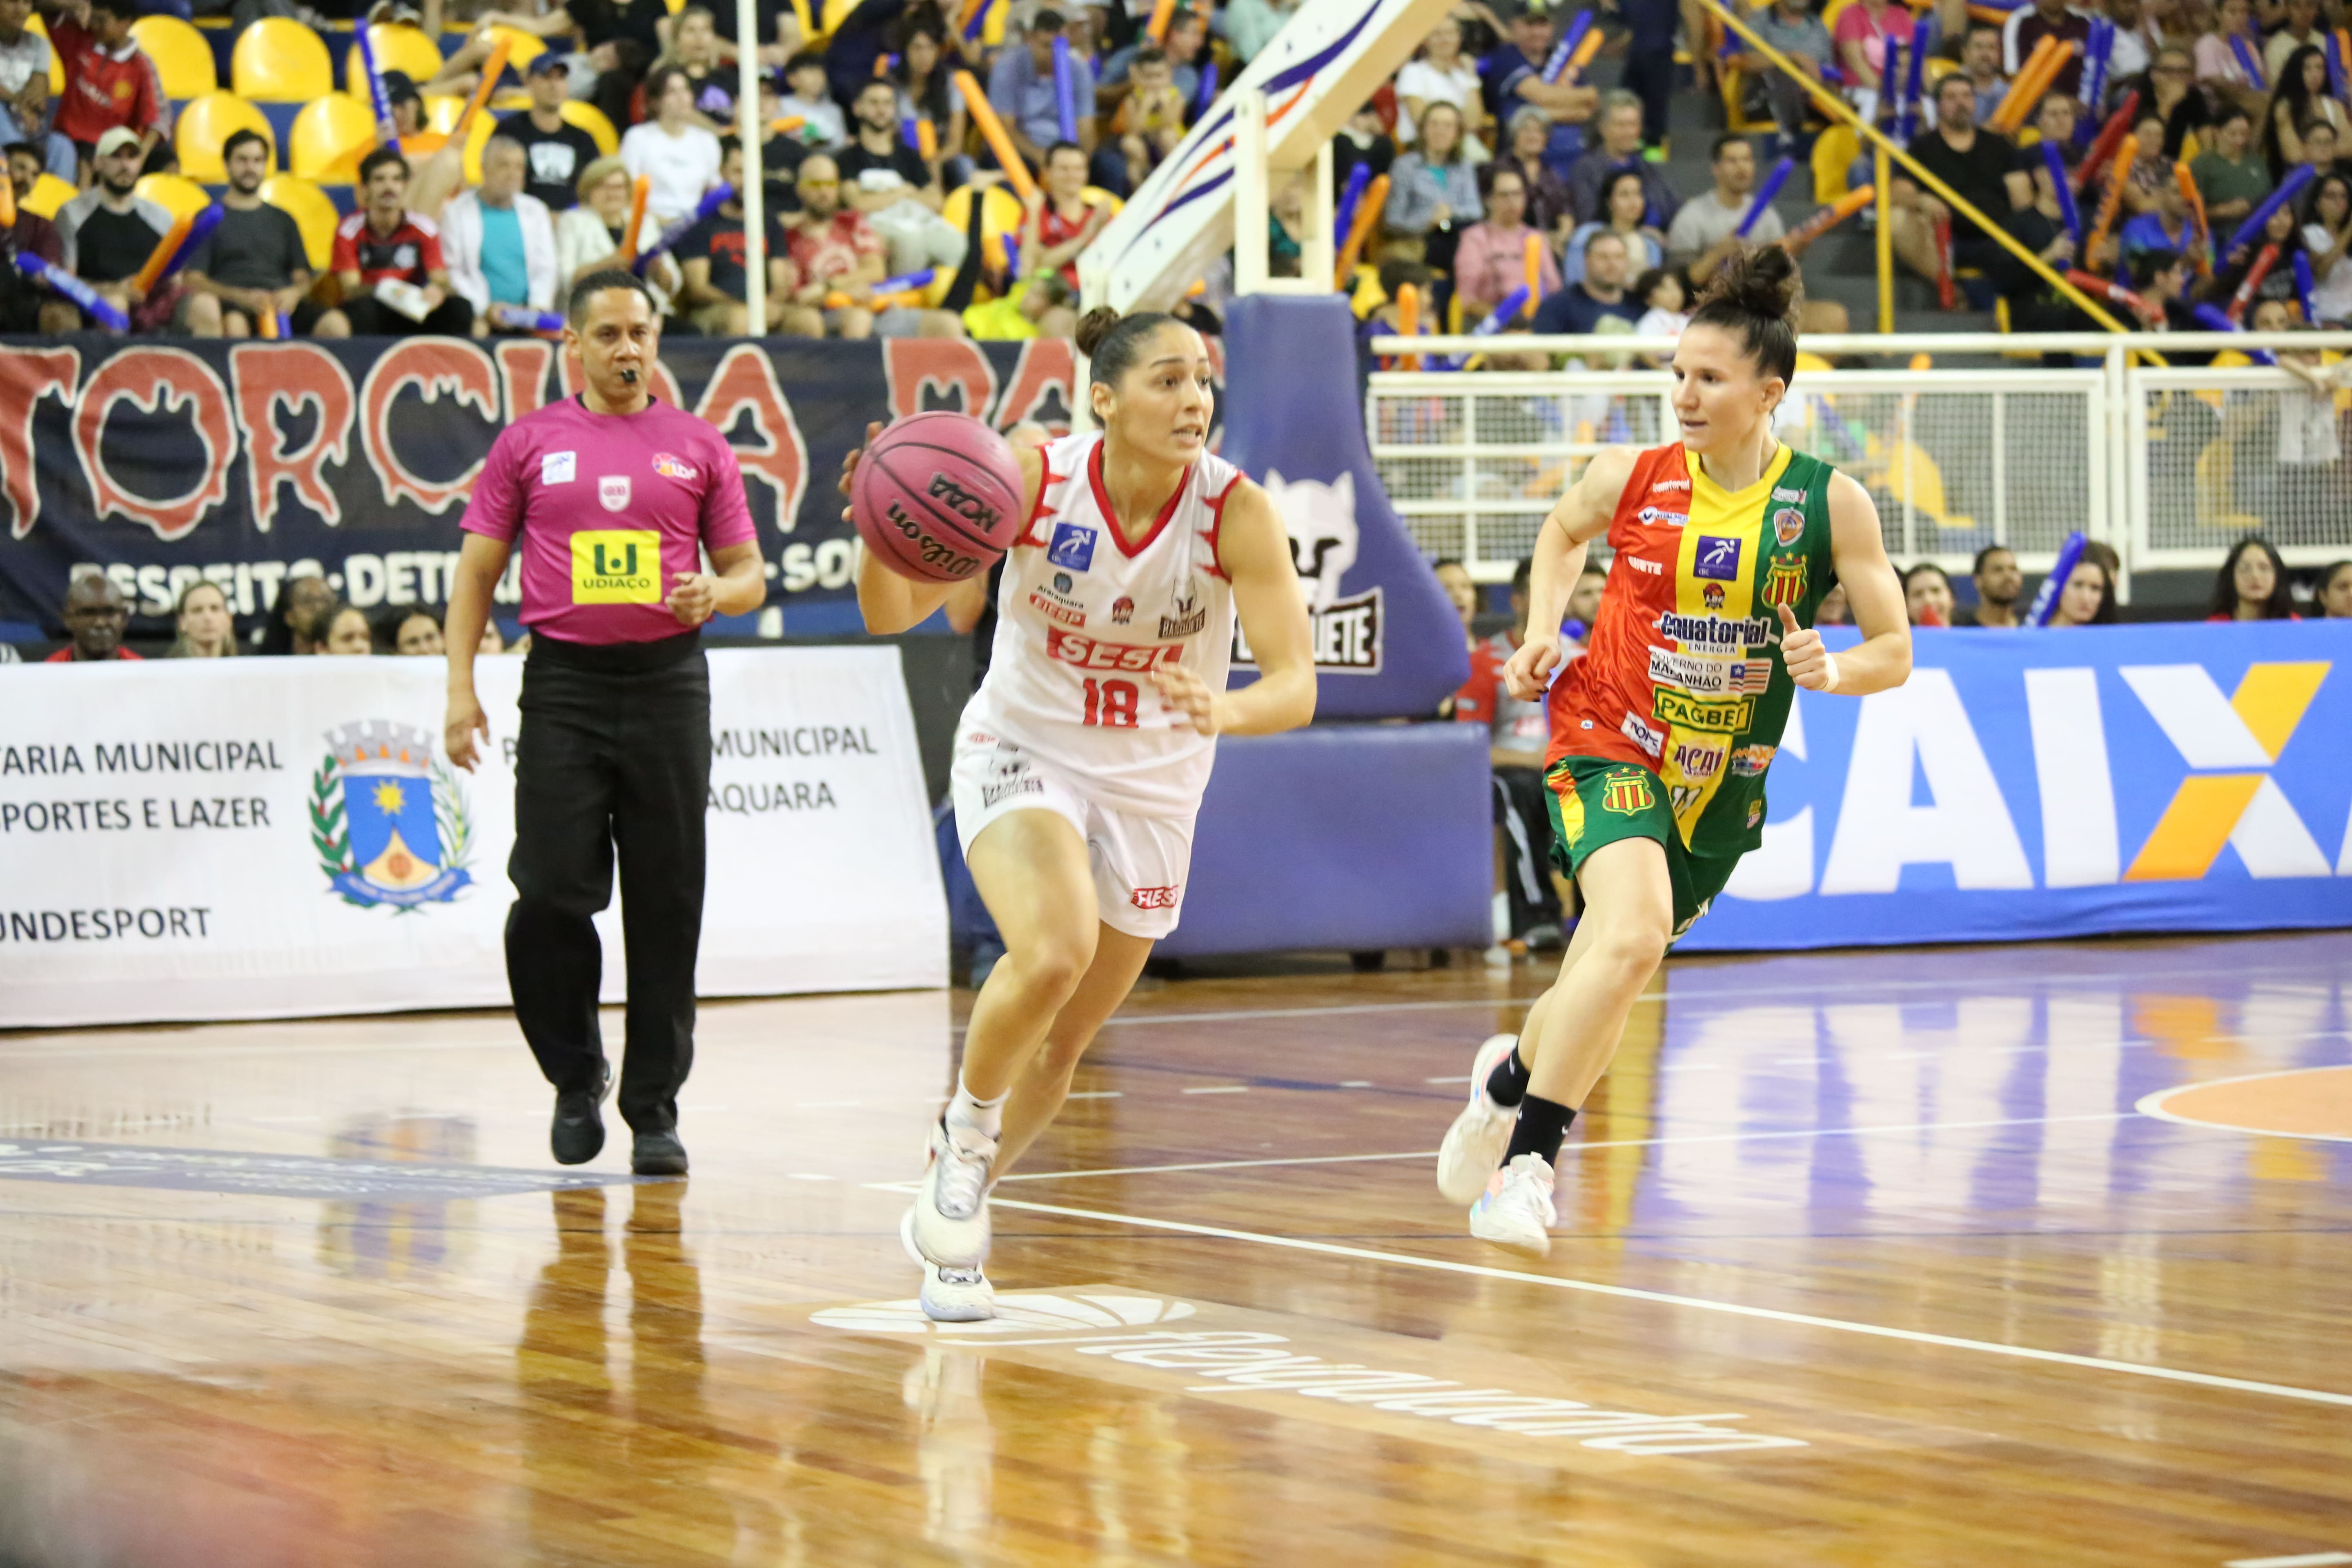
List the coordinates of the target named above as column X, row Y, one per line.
column 985, row 1117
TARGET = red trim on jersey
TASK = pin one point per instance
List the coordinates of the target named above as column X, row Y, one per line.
column 1613, row 679
column 1216, row 567
column 1047, row 478
column 1110, row 512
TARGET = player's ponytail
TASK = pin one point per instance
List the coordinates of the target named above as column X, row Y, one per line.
column 1755, row 294
column 1111, row 342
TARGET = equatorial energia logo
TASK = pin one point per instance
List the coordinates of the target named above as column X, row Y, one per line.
column 389, row 821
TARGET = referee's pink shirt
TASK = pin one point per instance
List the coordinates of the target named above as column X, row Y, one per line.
column 625, row 485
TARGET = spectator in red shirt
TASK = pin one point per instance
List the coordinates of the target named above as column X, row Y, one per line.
column 109, row 81
column 388, row 260
column 1475, row 703
column 837, row 256
column 95, row 617
column 1062, row 220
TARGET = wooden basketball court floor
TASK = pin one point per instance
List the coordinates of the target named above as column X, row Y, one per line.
column 1888, row 1257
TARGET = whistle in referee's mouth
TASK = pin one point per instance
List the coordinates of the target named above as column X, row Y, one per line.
column 628, row 378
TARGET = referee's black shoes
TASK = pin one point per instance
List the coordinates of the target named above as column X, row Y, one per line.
column 578, row 1133
column 658, row 1154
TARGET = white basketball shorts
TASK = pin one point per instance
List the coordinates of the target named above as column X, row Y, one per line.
column 1140, row 861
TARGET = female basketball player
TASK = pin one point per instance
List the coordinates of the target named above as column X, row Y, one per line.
column 1725, row 545
column 1080, row 761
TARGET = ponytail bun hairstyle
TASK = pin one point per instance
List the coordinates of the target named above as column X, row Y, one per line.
column 1755, row 295
column 1110, row 342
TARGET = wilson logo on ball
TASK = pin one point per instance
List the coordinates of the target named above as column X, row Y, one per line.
column 929, row 551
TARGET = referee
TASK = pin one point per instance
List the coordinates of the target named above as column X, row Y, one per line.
column 612, row 498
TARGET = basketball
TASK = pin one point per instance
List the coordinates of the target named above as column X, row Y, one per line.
column 937, row 496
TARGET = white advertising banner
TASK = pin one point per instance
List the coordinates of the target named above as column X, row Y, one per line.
column 283, row 837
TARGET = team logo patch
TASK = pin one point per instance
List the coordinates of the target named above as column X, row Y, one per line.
column 388, row 821
column 1072, row 547
column 1627, row 794
column 1755, row 815
column 1062, row 582
column 1785, row 579
column 1718, row 558
column 1153, row 898
column 1713, row 595
column 1122, row 610
column 558, row 467
column 1787, row 524
column 613, row 490
column 671, row 467
column 1184, row 618
column 1749, row 762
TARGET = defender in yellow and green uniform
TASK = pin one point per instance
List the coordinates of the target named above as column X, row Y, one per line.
column 1664, row 728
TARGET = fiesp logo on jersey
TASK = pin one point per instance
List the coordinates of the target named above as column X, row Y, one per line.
column 1089, row 653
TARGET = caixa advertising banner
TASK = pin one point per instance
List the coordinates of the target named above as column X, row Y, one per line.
column 2054, row 783
column 283, row 837
column 244, row 463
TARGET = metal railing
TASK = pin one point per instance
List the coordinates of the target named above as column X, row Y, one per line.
column 2169, row 465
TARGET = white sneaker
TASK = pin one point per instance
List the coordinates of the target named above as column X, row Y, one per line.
column 1474, row 1145
column 950, row 1225
column 948, row 1295
column 1516, row 1210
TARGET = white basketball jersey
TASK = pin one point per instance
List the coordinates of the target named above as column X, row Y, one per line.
column 1083, row 618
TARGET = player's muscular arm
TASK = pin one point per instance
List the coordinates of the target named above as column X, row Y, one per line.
column 892, row 604
column 482, row 562
column 1253, row 550
column 1883, row 659
column 1578, row 518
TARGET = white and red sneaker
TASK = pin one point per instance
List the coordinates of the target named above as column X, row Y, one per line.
column 1474, row 1145
column 1516, row 1210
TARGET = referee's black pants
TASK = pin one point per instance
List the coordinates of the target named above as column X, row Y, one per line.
column 614, row 753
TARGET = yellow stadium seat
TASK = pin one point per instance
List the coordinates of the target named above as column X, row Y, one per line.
column 49, row 193
column 176, row 192
column 522, row 46
column 330, row 137
column 477, row 136
column 441, row 113
column 398, row 47
column 183, row 57
column 311, row 209
column 1834, row 151
column 56, row 66
column 1000, row 217
column 206, row 124
column 280, row 60
column 591, row 119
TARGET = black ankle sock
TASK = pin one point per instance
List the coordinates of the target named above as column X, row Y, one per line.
column 1541, row 1126
column 1507, row 1084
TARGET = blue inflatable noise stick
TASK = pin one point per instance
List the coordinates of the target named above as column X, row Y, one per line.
column 2046, row 600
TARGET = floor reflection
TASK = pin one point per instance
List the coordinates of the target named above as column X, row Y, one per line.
column 376, row 1239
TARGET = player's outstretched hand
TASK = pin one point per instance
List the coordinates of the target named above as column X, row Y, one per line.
column 849, row 466
column 1189, row 695
column 695, row 599
column 1529, row 669
column 1810, row 664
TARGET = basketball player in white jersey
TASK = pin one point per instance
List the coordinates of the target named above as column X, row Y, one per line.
column 1080, row 761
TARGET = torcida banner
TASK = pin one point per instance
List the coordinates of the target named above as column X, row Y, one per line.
column 280, row 838
column 242, row 463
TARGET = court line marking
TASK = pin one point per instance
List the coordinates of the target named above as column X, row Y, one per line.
column 1700, row 1303
column 1573, row 1148
column 2307, row 1560
column 2152, row 1104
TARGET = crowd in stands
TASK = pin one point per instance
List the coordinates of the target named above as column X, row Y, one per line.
column 307, row 618
column 868, row 150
